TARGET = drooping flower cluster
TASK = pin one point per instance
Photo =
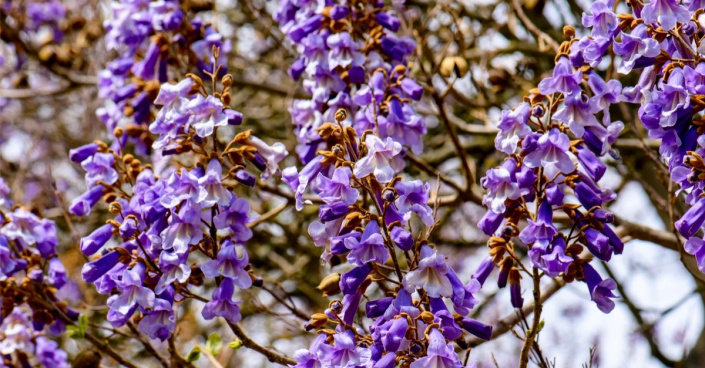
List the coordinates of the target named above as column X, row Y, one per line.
column 545, row 166
column 662, row 41
column 31, row 274
column 351, row 58
column 151, row 39
column 355, row 69
column 174, row 227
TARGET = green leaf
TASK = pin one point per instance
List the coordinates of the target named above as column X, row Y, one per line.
column 193, row 355
column 83, row 323
column 235, row 344
column 541, row 324
column 214, row 343
column 79, row 330
column 74, row 332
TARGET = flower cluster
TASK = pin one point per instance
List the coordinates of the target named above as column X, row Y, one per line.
column 351, row 58
column 182, row 224
column 356, row 73
column 149, row 38
column 31, row 275
column 547, row 172
column 662, row 41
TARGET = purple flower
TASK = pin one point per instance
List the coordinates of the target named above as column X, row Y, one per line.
column 79, row 154
column 551, row 153
column 343, row 51
column 132, row 292
column 332, row 212
column 99, row 167
column 556, row 262
column 485, row 269
column 513, row 126
column 383, row 159
column 392, row 333
column 692, row 220
column 476, row 328
column 337, row 187
column 695, row 78
column 93, row 242
column 181, row 187
column 667, row 12
column 605, row 93
column 207, row 115
column 501, row 186
column 563, row 79
column 160, row 322
column 634, row 46
column 94, row 270
column 439, row 353
column 49, row 355
column 515, row 288
column 344, row 353
column 56, row 273
column 211, row 189
column 431, row 275
column 82, row 205
column 578, row 113
column 235, row 218
column 30, row 229
column 273, row 155
column 174, row 268
column 173, row 116
column 542, row 230
column 695, row 246
column 602, row 21
column 600, row 290
column 413, row 196
column 222, row 304
column 672, row 97
column 183, row 230
column 299, row 182
column 310, row 358
column 351, row 280
column 231, row 262
column 592, row 165
column 370, row 247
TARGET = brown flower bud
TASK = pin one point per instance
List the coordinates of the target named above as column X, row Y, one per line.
column 319, row 320
column 340, row 115
column 427, row 317
column 454, row 64
column 569, row 31
column 330, row 284
column 227, row 80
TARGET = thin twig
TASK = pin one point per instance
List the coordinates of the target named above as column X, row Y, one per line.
column 271, row 355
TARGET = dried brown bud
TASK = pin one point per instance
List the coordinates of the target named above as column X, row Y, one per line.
column 319, row 320
column 115, row 208
column 47, row 53
column 427, row 317
column 227, row 80
column 226, row 98
column 87, row 359
column 110, row 197
column 340, row 115
column 569, row 31
column 454, row 64
column 196, row 79
column 118, row 132
column 330, row 285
